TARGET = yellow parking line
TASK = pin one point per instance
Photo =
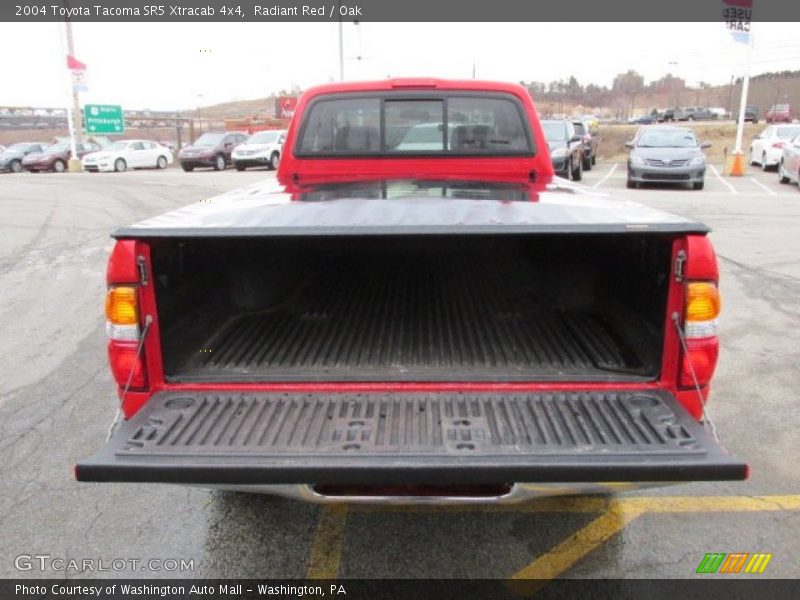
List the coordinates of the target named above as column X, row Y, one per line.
column 326, row 550
column 581, row 543
column 623, row 511
column 672, row 504
column 593, row 504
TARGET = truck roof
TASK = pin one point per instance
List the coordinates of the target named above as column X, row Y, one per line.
column 266, row 209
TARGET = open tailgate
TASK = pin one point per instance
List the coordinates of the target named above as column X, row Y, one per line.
column 384, row 438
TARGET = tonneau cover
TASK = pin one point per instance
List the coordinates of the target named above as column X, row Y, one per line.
column 267, row 210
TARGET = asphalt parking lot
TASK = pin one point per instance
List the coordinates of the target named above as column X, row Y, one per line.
column 57, row 400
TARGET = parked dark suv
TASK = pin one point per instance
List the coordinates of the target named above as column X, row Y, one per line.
column 212, row 149
column 566, row 148
column 750, row 114
column 695, row 113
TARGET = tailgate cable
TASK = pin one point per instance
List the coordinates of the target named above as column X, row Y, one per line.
column 148, row 320
column 707, row 422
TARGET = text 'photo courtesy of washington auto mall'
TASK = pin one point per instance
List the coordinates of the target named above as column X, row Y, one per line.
column 399, row 300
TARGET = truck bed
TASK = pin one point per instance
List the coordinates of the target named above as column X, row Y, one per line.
column 419, row 324
column 403, row 308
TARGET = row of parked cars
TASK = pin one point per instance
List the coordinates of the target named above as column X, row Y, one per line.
column 216, row 150
column 119, row 156
column 778, row 148
column 779, row 113
column 221, row 149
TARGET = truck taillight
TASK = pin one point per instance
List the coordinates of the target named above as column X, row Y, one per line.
column 126, row 364
column 122, row 328
column 700, row 329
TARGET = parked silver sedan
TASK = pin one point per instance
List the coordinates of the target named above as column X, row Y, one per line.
column 789, row 165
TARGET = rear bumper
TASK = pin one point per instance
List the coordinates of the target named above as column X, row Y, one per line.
column 517, row 493
column 372, row 439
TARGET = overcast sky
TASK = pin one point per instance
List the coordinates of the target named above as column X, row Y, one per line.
column 169, row 66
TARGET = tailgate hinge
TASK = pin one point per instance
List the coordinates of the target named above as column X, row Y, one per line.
column 141, row 263
column 680, row 261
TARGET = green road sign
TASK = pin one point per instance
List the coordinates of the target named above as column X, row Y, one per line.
column 103, row 118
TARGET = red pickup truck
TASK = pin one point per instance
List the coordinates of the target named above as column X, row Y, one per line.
column 413, row 311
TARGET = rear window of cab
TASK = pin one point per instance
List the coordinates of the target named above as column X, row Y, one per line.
column 389, row 125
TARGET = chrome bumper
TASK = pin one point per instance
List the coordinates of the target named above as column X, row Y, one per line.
column 518, row 494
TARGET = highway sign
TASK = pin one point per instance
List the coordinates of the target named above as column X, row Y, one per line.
column 103, row 118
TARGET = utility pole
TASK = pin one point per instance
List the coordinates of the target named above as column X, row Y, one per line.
column 341, row 43
column 730, row 99
column 76, row 133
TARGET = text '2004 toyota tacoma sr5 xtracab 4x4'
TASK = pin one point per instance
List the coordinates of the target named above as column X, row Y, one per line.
column 413, row 311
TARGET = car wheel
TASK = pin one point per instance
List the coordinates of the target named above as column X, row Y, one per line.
column 15, row 166
column 699, row 185
column 594, row 159
column 587, row 163
column 782, row 176
column 752, row 160
column 239, row 167
column 764, row 161
column 161, row 163
column 219, row 163
column 633, row 185
column 569, row 171
column 59, row 166
column 120, row 165
column 690, row 118
column 577, row 175
column 274, row 160
column 187, row 168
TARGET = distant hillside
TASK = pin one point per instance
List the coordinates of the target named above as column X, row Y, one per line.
column 631, row 96
column 569, row 96
column 261, row 107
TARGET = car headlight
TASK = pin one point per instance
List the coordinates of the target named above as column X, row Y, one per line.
column 698, row 161
column 637, row 161
column 559, row 153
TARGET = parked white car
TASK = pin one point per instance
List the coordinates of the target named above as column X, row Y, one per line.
column 128, row 154
column 789, row 167
column 262, row 149
column 766, row 148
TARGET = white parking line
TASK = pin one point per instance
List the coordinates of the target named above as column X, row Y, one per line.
column 607, row 175
column 762, row 186
column 721, row 180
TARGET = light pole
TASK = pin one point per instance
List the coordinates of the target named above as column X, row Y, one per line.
column 341, row 41
column 76, row 133
column 199, row 118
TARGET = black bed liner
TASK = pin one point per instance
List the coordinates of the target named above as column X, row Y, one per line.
column 426, row 438
column 411, row 325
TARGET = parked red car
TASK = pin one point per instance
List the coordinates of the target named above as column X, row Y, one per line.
column 56, row 156
column 780, row 113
